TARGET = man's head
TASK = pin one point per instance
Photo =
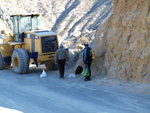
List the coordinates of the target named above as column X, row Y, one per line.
column 85, row 44
column 61, row 46
column 2, row 31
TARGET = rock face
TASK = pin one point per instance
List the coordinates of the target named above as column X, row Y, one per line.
column 122, row 44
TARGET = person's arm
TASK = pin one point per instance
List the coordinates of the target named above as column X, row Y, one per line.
column 67, row 57
column 56, row 57
column 83, row 54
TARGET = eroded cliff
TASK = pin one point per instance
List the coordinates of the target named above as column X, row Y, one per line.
column 122, row 44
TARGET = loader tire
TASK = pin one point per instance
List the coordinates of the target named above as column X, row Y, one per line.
column 20, row 61
column 2, row 64
column 51, row 66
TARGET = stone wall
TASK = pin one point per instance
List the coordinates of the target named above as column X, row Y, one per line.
column 122, row 43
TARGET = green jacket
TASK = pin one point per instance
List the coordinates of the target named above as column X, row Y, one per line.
column 61, row 54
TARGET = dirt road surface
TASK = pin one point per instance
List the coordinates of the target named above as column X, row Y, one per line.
column 28, row 93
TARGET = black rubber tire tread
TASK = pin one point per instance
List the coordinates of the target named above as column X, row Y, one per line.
column 26, row 60
column 51, row 66
column 23, row 58
column 2, row 64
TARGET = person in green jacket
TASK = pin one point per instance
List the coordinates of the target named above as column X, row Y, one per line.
column 61, row 57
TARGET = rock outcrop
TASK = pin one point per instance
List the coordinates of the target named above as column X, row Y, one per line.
column 66, row 17
column 122, row 43
column 6, row 10
column 5, row 21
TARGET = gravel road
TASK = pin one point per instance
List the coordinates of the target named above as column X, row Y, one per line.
column 28, row 93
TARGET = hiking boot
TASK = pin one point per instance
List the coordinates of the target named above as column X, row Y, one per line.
column 87, row 79
column 61, row 77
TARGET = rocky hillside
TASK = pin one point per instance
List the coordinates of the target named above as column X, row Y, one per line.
column 66, row 17
column 122, row 44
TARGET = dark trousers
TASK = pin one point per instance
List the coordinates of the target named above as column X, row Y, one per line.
column 61, row 66
column 89, row 69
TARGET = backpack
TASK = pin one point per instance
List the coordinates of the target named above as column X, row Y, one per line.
column 92, row 54
column 79, row 70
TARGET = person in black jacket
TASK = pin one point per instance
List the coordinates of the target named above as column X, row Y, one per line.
column 87, row 60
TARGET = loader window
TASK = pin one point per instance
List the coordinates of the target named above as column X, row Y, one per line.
column 15, row 24
column 37, row 23
column 25, row 24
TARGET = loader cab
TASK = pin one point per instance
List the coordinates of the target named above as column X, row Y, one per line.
column 23, row 23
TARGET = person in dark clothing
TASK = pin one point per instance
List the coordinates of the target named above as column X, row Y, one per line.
column 60, row 57
column 87, row 60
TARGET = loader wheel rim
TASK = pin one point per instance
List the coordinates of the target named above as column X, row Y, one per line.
column 16, row 62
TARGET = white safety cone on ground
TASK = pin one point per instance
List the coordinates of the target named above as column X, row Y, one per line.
column 43, row 75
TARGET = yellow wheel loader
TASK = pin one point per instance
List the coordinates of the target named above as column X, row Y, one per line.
column 28, row 44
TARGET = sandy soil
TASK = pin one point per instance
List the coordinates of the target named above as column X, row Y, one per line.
column 28, row 93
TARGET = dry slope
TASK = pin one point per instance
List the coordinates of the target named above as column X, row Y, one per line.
column 62, row 16
column 124, row 41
